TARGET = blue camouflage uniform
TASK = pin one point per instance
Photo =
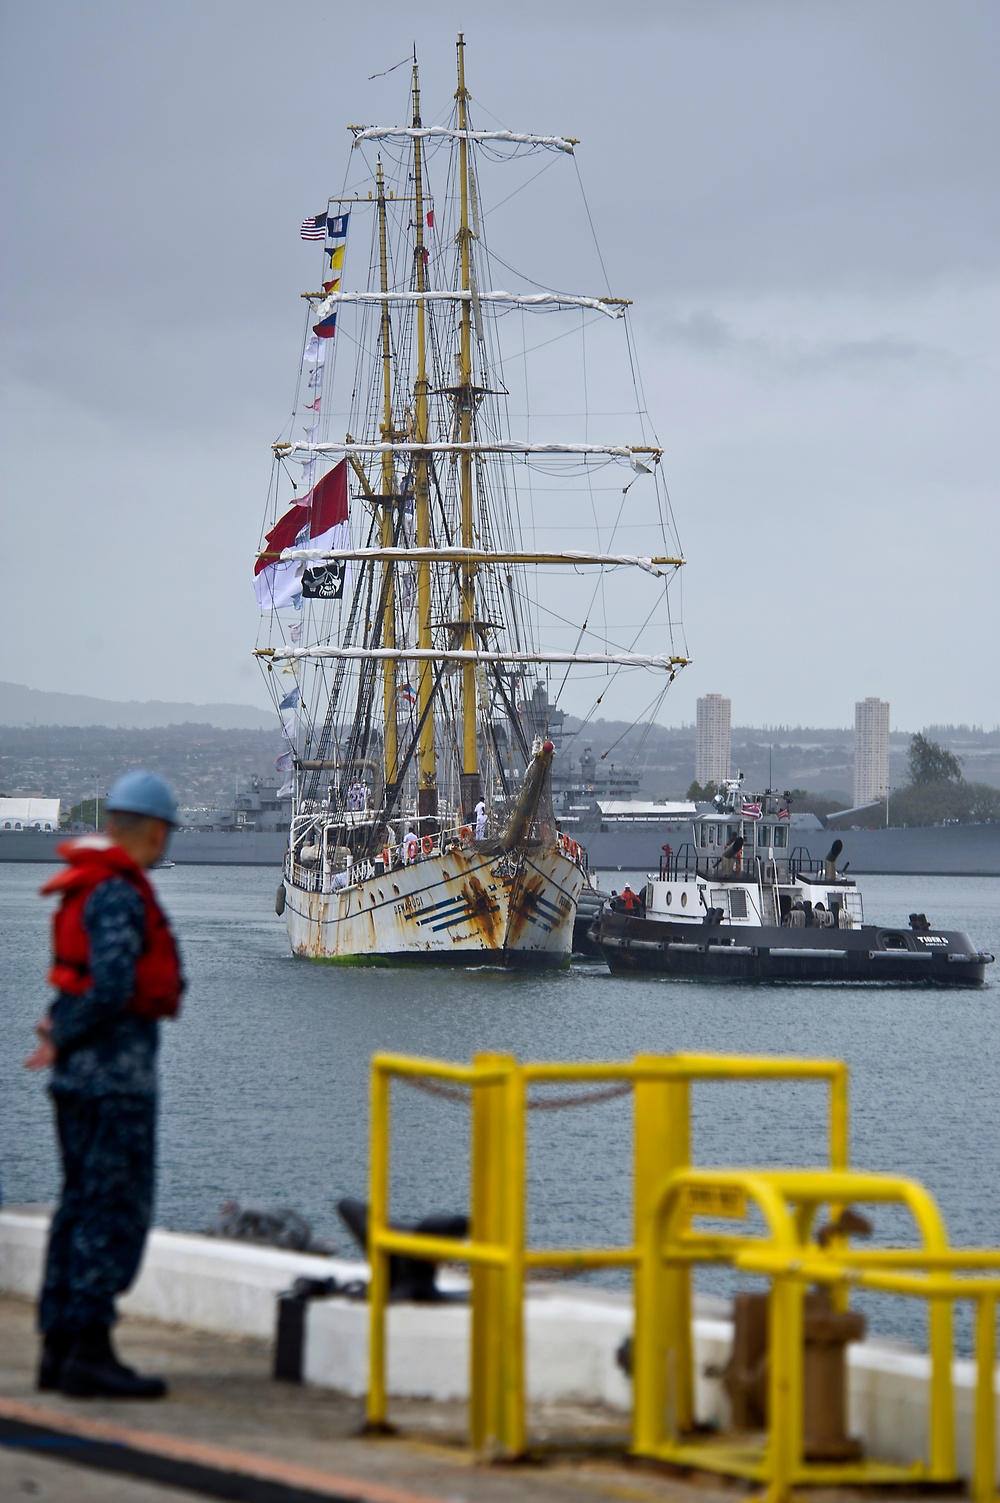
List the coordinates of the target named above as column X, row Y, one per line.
column 104, row 1087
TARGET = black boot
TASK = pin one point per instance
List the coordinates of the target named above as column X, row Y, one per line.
column 92, row 1370
column 55, row 1349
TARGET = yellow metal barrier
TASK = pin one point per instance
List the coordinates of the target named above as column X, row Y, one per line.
column 788, row 1201
column 496, row 1252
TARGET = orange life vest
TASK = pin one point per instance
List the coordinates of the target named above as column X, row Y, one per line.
column 89, row 862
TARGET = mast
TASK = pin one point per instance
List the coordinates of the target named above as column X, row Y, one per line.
column 386, row 503
column 465, row 397
column 426, row 759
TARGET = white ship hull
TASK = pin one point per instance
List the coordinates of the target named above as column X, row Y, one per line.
column 464, row 908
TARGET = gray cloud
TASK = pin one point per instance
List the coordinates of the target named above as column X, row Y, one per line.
column 800, row 198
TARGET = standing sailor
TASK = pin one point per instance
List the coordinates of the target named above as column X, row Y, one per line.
column 117, row 972
column 481, row 820
column 411, row 846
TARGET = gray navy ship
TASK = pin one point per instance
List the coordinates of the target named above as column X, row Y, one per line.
column 596, row 803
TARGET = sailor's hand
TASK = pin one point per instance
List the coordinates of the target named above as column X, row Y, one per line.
column 44, row 1056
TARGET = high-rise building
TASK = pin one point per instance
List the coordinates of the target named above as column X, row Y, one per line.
column 711, row 755
column 871, row 750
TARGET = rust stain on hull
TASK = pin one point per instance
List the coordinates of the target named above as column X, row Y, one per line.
column 484, row 912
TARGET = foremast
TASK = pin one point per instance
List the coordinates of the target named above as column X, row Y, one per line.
column 427, row 799
column 465, row 401
column 387, row 502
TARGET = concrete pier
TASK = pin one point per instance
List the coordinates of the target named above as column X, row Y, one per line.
column 202, row 1313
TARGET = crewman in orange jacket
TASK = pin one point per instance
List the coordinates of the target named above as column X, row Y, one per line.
column 116, row 971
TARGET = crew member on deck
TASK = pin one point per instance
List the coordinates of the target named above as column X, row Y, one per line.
column 411, row 845
column 630, row 900
column 481, row 820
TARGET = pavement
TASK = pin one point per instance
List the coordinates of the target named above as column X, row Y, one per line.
column 228, row 1429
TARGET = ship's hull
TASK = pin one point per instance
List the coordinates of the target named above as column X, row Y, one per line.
column 464, row 908
column 733, row 952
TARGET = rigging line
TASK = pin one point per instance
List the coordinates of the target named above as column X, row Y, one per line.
column 650, row 722
column 633, row 360
column 593, row 508
column 590, row 221
column 517, row 355
column 397, row 786
column 409, row 58
column 613, row 676
column 608, row 642
column 543, row 286
column 550, row 163
column 653, row 705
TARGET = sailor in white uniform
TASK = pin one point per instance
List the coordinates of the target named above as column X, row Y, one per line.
column 411, row 846
column 481, row 820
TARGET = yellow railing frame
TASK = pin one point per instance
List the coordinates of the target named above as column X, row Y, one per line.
column 791, row 1261
column 496, row 1252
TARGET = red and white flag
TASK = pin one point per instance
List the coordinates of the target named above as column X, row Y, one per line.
column 319, row 520
column 751, row 810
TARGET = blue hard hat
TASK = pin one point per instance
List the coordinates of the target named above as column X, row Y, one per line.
column 139, row 792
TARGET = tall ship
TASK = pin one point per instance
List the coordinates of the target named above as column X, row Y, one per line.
column 445, row 530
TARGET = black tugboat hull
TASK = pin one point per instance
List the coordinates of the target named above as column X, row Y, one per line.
column 747, row 953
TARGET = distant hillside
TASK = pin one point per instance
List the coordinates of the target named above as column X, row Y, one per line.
column 21, row 706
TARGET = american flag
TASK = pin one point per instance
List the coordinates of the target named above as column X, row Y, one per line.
column 784, row 814
column 751, row 811
column 314, row 228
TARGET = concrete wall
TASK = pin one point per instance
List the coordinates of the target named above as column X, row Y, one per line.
column 572, row 1335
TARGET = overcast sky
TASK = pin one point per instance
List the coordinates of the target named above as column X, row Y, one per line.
column 800, row 195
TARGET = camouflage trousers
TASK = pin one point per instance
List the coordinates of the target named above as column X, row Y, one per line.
column 98, row 1232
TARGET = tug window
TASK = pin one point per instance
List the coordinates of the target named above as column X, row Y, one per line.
column 780, row 836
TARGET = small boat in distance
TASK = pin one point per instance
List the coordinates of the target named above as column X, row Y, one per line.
column 740, row 903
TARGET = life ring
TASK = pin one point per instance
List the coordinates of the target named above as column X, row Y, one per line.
column 427, row 844
column 465, row 833
column 386, row 858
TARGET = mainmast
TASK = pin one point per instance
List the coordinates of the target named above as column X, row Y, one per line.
column 387, row 501
column 426, row 759
column 465, row 398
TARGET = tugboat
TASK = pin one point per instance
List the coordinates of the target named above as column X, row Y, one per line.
column 742, row 904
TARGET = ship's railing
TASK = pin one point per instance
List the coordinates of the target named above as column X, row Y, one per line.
column 690, row 861
column 320, row 876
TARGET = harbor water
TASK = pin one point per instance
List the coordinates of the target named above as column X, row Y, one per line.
column 265, row 1075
